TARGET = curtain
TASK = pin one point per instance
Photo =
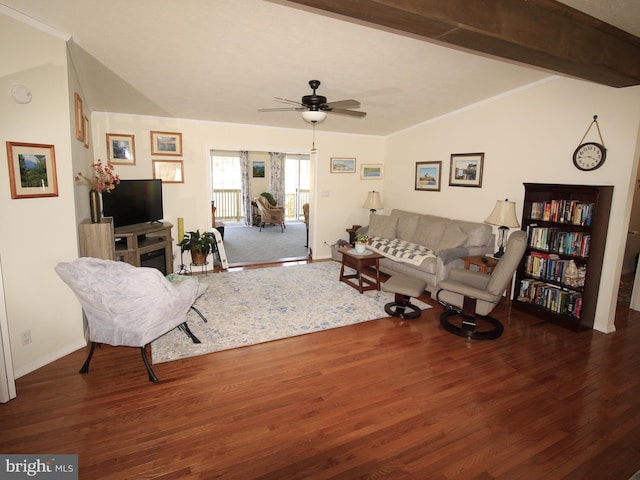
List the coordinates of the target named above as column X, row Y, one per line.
column 245, row 168
column 276, row 181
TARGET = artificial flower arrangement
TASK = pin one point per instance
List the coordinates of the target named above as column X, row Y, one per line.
column 363, row 238
column 104, row 179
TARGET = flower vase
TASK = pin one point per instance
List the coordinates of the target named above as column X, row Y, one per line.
column 360, row 248
column 95, row 206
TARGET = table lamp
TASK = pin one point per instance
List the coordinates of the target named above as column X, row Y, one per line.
column 373, row 202
column 504, row 217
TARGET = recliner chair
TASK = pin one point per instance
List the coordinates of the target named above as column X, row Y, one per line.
column 472, row 295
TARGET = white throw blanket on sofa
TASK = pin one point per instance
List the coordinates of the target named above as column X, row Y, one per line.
column 400, row 250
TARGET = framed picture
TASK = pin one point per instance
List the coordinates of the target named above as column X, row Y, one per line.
column 343, row 165
column 86, row 132
column 428, row 176
column 121, row 149
column 371, row 172
column 258, row 169
column 466, row 169
column 169, row 171
column 166, row 143
column 32, row 170
column 79, row 117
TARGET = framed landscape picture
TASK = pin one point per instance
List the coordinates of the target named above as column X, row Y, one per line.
column 166, row 143
column 79, row 117
column 121, row 149
column 371, row 172
column 169, row 171
column 466, row 169
column 428, row 176
column 86, row 132
column 343, row 165
column 258, row 169
column 32, row 170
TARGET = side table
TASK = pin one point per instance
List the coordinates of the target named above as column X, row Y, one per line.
column 359, row 263
column 484, row 264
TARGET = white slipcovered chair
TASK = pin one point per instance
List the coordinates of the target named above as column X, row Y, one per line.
column 127, row 305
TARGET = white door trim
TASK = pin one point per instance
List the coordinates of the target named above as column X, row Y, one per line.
column 7, row 380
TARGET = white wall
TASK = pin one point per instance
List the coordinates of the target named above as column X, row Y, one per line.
column 37, row 233
column 336, row 198
column 528, row 136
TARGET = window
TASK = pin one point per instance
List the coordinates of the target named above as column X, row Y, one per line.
column 226, row 185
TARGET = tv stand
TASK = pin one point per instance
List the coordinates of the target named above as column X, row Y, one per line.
column 141, row 245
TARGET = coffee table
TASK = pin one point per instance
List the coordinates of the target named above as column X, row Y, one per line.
column 359, row 262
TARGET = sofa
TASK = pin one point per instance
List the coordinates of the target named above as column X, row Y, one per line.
column 425, row 246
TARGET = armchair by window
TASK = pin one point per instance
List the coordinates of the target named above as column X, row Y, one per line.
column 305, row 212
column 270, row 214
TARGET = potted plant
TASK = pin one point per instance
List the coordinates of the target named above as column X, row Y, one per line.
column 361, row 241
column 199, row 244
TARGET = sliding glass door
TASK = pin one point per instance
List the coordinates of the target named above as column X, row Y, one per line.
column 297, row 184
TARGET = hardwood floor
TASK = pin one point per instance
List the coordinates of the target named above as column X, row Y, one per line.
column 386, row 399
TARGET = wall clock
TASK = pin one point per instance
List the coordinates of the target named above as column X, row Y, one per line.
column 590, row 155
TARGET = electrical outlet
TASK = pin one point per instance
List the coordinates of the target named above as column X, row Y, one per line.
column 26, row 337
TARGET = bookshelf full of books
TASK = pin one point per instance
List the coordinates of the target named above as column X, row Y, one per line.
column 559, row 276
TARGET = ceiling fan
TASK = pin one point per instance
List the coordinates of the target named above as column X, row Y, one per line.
column 315, row 107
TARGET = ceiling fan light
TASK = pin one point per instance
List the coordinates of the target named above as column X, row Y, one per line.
column 314, row 116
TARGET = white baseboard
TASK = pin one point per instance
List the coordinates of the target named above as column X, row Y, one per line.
column 41, row 362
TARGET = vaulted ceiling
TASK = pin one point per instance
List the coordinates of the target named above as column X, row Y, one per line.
column 222, row 60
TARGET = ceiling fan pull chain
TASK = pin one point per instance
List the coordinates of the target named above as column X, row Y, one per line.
column 313, row 141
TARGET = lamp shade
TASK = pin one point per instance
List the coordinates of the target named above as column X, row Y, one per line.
column 314, row 116
column 373, row 201
column 503, row 215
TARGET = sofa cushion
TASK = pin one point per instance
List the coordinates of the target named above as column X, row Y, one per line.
column 478, row 234
column 429, row 231
column 453, row 237
column 382, row 226
column 407, row 225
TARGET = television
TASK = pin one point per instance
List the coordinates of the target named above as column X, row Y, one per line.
column 134, row 201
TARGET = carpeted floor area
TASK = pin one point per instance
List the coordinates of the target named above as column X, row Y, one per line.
column 245, row 245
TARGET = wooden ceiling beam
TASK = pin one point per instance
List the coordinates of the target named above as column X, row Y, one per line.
column 542, row 33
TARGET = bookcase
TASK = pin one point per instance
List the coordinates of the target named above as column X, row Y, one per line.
column 559, row 276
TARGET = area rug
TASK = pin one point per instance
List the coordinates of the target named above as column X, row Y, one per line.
column 260, row 305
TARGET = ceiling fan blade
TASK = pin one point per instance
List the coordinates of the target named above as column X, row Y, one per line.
column 286, row 100
column 279, row 109
column 351, row 113
column 344, row 104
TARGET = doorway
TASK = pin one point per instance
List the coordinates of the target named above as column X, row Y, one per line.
column 297, row 179
column 7, row 382
column 245, row 242
column 627, row 293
